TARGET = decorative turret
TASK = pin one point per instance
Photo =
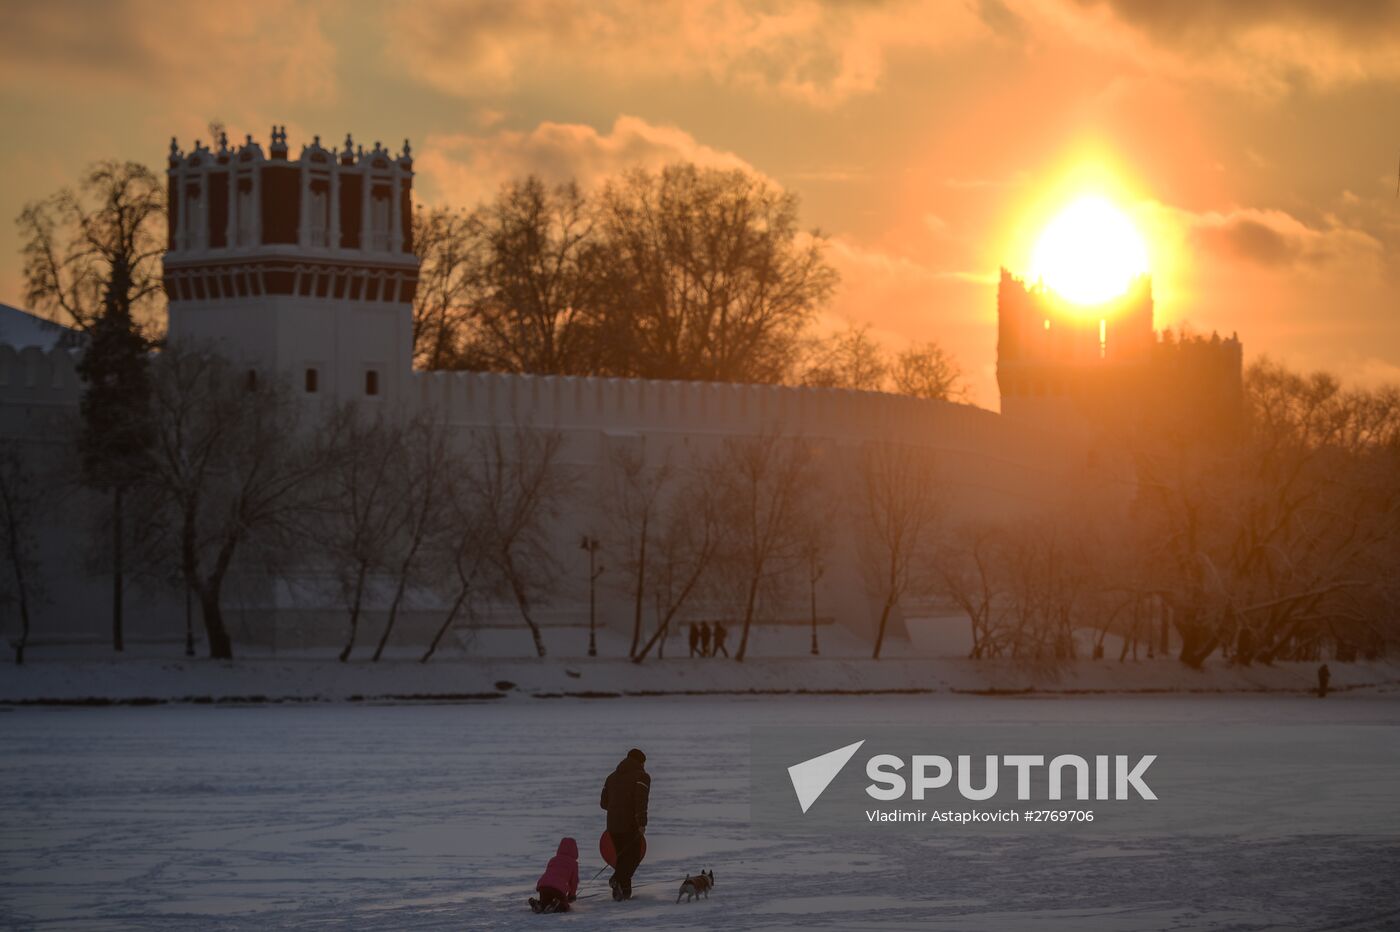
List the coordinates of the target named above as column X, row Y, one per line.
column 331, row 233
column 278, row 149
column 239, row 199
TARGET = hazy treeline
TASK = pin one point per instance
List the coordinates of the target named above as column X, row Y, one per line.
column 684, row 273
column 1273, row 546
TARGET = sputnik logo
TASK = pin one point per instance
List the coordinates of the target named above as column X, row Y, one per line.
column 811, row 777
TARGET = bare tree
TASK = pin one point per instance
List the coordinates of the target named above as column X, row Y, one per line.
column 1127, row 600
column 228, row 466
column 899, row 508
column 637, row 499
column 688, row 273
column 1047, row 578
column 19, row 530
column 1270, row 546
column 100, row 243
column 93, row 257
column 760, row 482
column 965, row 564
column 928, row 371
column 116, row 430
column 815, row 523
column 853, row 359
column 459, row 556
column 517, row 485
column 539, row 281
column 850, row 359
column 362, row 505
column 706, row 276
column 422, row 478
column 687, row 542
column 448, row 278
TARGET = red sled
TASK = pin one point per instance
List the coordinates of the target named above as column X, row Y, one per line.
column 609, row 851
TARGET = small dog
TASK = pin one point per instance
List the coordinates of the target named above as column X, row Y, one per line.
column 696, row 886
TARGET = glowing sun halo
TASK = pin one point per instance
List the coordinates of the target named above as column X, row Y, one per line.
column 1089, row 253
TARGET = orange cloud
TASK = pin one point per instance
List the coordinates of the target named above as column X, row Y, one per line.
column 1276, row 238
column 202, row 55
column 814, row 51
column 1310, row 292
column 463, row 169
column 825, row 53
column 1264, row 47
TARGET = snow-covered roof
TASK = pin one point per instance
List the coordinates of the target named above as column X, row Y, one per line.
column 21, row 329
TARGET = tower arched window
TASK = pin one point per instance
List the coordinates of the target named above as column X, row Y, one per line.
column 379, row 214
column 195, row 219
column 318, row 212
column 245, row 212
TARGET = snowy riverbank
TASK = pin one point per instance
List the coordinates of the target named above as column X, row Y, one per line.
column 155, row 679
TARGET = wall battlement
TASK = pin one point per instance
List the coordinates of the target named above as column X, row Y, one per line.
column 981, row 449
column 583, row 402
column 36, row 377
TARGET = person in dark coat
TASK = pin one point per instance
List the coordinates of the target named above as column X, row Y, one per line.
column 694, row 639
column 720, row 634
column 704, row 639
column 1324, row 676
column 626, row 793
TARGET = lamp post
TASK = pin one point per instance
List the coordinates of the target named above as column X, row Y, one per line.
column 592, row 545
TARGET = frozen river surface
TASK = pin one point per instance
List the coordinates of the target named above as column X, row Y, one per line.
column 442, row 816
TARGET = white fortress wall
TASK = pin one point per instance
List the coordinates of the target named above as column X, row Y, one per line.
column 990, row 467
column 39, row 395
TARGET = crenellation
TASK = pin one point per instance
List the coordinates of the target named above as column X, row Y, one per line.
column 608, row 403
column 628, row 398
column 33, row 375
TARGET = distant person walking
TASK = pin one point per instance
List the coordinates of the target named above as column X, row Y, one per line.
column 694, row 639
column 1324, row 676
column 704, row 639
column 626, row 793
column 720, row 634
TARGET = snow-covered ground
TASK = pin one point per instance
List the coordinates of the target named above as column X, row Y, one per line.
column 778, row 662
column 441, row 816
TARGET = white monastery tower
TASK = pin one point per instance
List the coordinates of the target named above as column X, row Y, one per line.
column 301, row 267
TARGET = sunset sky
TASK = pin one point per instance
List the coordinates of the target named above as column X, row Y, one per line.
column 1254, row 145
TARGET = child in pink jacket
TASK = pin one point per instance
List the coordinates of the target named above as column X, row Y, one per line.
column 558, row 885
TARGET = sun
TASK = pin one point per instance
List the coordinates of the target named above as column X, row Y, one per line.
column 1090, row 253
